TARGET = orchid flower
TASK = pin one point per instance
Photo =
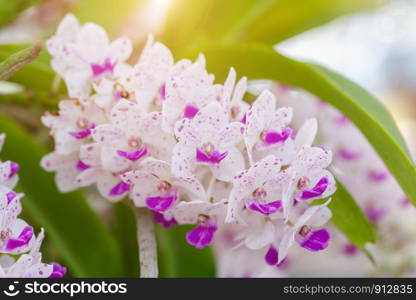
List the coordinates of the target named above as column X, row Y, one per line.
column 208, row 139
column 156, row 188
column 83, row 55
column 16, row 235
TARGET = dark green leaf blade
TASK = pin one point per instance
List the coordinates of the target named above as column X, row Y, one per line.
column 179, row 259
column 125, row 230
column 86, row 245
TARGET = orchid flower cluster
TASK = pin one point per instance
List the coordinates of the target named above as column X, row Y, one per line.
column 164, row 135
column 363, row 173
column 17, row 238
column 368, row 180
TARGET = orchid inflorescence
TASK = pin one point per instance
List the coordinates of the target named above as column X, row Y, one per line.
column 17, row 238
column 164, row 135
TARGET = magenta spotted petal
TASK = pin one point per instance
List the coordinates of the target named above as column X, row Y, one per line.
column 244, row 119
column 14, row 168
column 106, row 67
column 190, row 111
column 378, row 176
column 133, row 155
column 10, row 196
column 119, row 189
column 215, row 157
column 161, row 204
column 374, row 214
column 160, row 219
column 265, row 209
column 316, row 240
column 348, row 155
column 272, row 257
column 350, row 249
column 274, row 137
column 22, row 240
column 82, row 134
column 201, row 235
column 162, row 91
column 117, row 96
column 58, row 271
column 317, row 190
column 81, row 166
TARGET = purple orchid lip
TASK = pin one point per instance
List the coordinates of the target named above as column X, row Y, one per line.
column 58, row 271
column 265, row 209
column 14, row 168
column 348, row 155
column 214, row 157
column 272, row 257
column 133, row 155
column 160, row 219
column 202, row 235
column 378, row 176
column 160, row 203
column 190, row 111
column 120, row 188
column 22, row 240
column 317, row 190
column 81, row 166
column 274, row 137
column 82, row 133
column 10, row 196
column 316, row 240
column 99, row 69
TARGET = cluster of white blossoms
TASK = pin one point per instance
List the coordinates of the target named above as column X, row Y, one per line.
column 17, row 238
column 368, row 180
column 166, row 136
column 363, row 173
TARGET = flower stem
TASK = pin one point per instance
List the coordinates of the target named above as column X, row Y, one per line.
column 210, row 187
column 147, row 244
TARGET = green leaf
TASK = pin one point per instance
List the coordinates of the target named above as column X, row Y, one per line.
column 18, row 60
column 368, row 114
column 10, row 9
column 40, row 66
column 107, row 13
column 348, row 217
column 125, row 230
column 86, row 245
column 286, row 18
column 268, row 21
column 179, row 259
column 38, row 89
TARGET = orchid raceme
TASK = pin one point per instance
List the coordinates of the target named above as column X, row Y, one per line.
column 17, row 238
column 359, row 168
column 167, row 136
